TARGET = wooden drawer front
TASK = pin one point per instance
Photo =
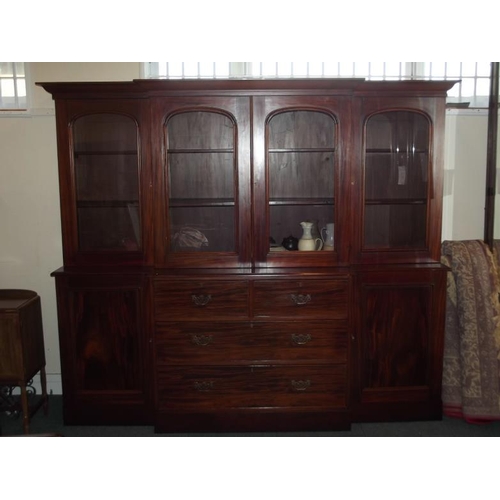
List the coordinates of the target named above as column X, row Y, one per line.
column 301, row 299
column 206, row 388
column 195, row 300
column 235, row 343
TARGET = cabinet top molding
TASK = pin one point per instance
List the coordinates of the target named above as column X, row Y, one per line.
column 322, row 86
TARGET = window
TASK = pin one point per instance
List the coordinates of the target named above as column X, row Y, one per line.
column 473, row 87
column 13, row 86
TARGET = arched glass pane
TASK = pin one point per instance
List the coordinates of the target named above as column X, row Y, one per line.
column 301, row 163
column 201, row 182
column 106, row 163
column 396, row 180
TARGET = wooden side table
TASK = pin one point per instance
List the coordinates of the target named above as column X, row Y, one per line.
column 22, row 352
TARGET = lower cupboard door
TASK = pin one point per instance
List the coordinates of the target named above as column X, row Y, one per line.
column 208, row 388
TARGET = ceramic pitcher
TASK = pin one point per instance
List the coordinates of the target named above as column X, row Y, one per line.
column 307, row 242
column 327, row 236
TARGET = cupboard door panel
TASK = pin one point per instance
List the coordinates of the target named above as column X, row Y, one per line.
column 396, row 336
column 104, row 347
column 400, row 341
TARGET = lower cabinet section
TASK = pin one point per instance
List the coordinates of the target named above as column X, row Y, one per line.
column 201, row 353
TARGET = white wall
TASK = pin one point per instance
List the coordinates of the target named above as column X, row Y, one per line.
column 30, row 233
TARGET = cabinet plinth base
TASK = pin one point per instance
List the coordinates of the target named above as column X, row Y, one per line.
column 253, row 421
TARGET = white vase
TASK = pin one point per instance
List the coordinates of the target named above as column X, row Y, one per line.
column 307, row 243
column 327, row 233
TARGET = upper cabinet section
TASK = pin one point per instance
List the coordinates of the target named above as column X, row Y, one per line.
column 250, row 174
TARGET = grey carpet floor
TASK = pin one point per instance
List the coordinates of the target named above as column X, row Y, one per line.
column 52, row 423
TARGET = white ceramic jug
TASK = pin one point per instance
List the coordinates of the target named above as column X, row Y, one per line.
column 307, row 243
column 327, row 235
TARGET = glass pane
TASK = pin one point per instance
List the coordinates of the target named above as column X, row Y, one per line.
column 106, row 180
column 483, row 69
column 301, row 129
column 201, row 182
column 346, row 69
column 21, row 87
column 316, row 69
column 468, row 87
column 469, row 69
column 7, row 88
column 191, row 70
column 301, row 163
column 396, row 180
column 301, row 69
column 20, row 69
column 331, row 69
column 361, row 69
column 453, row 70
column 222, row 69
column 207, row 69
column 284, row 69
column 6, row 69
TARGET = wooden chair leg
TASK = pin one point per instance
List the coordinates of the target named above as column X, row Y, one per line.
column 26, row 412
column 43, row 382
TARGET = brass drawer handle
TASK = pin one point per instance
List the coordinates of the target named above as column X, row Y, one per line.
column 300, row 300
column 201, row 300
column 204, row 386
column 301, row 385
column 301, row 338
column 201, row 339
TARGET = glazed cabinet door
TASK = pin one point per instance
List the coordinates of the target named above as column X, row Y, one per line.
column 298, row 180
column 105, row 181
column 400, row 181
column 105, row 341
column 203, row 181
column 399, row 344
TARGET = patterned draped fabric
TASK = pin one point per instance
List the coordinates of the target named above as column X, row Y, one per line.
column 471, row 366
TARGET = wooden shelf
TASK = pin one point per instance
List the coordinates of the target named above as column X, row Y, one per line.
column 393, row 151
column 107, row 203
column 301, row 201
column 396, row 201
column 302, row 150
column 105, row 153
column 201, row 202
column 200, row 151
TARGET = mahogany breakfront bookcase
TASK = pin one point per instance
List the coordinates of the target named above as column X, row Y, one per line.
column 178, row 305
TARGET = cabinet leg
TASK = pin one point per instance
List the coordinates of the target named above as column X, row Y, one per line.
column 26, row 413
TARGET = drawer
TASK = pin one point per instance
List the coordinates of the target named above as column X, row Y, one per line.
column 223, row 343
column 204, row 388
column 312, row 299
column 199, row 300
